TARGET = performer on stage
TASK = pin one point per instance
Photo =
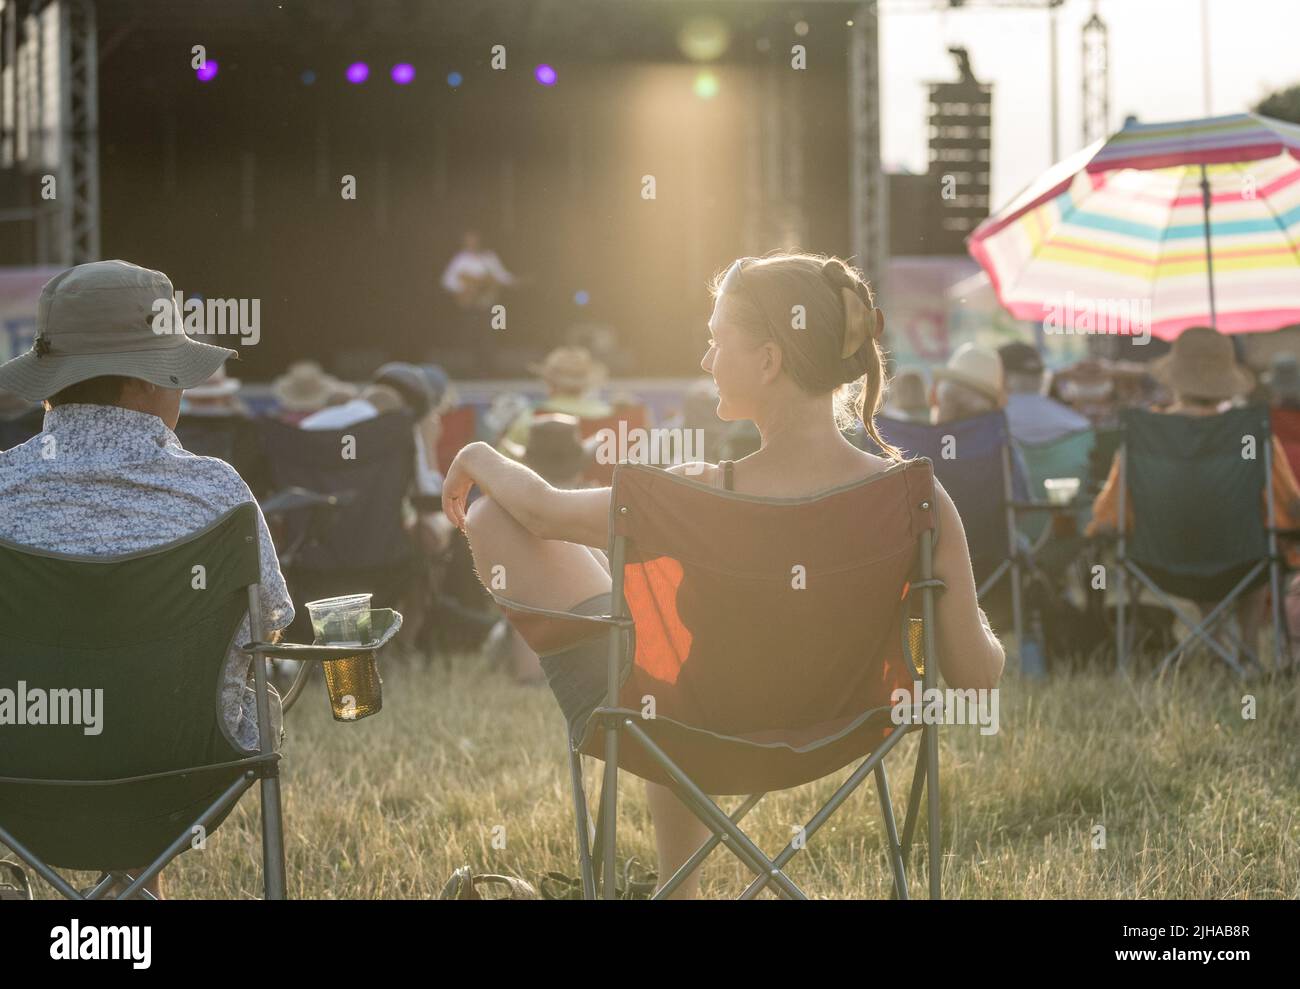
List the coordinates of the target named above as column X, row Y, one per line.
column 475, row 277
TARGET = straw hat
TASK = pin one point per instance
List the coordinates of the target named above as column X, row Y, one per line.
column 99, row 319
column 220, row 385
column 1202, row 364
column 978, row 368
column 304, row 388
column 570, row 369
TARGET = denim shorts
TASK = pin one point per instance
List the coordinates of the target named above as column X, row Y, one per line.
column 577, row 675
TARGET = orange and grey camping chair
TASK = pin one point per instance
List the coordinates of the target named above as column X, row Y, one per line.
column 754, row 646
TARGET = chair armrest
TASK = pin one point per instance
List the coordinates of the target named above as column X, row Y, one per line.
column 620, row 620
column 384, row 620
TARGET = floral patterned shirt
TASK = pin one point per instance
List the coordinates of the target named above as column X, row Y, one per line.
column 102, row 481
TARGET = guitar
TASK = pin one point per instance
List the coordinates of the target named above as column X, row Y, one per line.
column 480, row 291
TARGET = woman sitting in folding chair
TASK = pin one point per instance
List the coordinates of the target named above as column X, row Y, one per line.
column 784, row 374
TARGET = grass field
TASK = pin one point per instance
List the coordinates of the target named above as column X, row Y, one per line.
column 1196, row 801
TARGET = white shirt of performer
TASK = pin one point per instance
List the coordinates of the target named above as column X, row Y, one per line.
column 476, row 263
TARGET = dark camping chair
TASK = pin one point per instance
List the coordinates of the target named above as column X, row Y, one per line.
column 161, row 769
column 973, row 461
column 748, row 674
column 232, row 437
column 1200, row 488
column 360, row 543
column 18, row 429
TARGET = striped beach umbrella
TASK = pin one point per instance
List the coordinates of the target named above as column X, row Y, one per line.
column 1158, row 228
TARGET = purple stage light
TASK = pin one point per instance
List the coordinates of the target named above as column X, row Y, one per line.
column 403, row 72
column 207, row 71
column 544, row 74
column 358, row 72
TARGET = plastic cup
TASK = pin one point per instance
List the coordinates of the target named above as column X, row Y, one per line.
column 354, row 685
column 1061, row 490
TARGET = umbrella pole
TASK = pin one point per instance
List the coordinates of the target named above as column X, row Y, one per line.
column 1209, row 252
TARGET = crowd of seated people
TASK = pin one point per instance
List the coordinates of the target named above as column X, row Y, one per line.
column 549, row 436
column 1043, row 407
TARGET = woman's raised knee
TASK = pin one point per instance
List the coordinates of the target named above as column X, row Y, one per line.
column 484, row 515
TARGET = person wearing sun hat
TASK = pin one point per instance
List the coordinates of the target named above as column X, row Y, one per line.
column 107, row 475
column 970, row 384
column 571, row 374
column 1202, row 373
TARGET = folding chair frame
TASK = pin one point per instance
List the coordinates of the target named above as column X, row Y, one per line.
column 598, row 858
column 1201, row 630
column 263, row 766
column 1012, row 564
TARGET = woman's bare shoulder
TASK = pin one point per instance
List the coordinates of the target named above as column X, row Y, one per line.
column 871, row 465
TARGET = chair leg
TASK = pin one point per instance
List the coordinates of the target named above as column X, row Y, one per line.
column 891, row 832
column 914, row 799
column 712, row 815
column 1121, row 603
column 703, row 852
column 609, row 803
column 43, row 870
column 581, row 821
column 598, row 842
column 272, row 837
column 932, row 796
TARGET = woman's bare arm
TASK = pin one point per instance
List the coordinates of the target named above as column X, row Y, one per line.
column 575, row 516
column 970, row 654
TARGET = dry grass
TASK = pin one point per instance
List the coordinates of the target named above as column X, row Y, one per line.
column 1196, row 801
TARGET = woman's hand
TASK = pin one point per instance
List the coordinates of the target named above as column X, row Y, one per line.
column 456, row 485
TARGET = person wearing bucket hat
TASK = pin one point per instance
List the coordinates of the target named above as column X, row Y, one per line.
column 970, row 383
column 107, row 475
column 570, row 374
column 103, row 319
column 1202, row 372
column 1201, row 369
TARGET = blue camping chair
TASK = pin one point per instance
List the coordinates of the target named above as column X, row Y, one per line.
column 974, row 461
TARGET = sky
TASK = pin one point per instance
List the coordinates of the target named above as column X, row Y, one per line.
column 1155, row 70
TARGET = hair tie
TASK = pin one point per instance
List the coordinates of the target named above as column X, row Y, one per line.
column 860, row 323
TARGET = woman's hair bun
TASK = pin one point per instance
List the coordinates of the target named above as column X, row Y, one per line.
column 839, row 276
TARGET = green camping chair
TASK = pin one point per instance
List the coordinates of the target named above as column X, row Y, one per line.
column 1201, row 491
column 119, row 756
column 1068, row 456
column 743, row 680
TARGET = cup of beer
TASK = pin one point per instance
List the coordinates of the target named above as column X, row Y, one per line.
column 354, row 685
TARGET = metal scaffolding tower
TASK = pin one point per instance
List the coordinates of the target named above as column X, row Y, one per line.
column 1096, row 79
column 49, row 124
column 870, row 208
